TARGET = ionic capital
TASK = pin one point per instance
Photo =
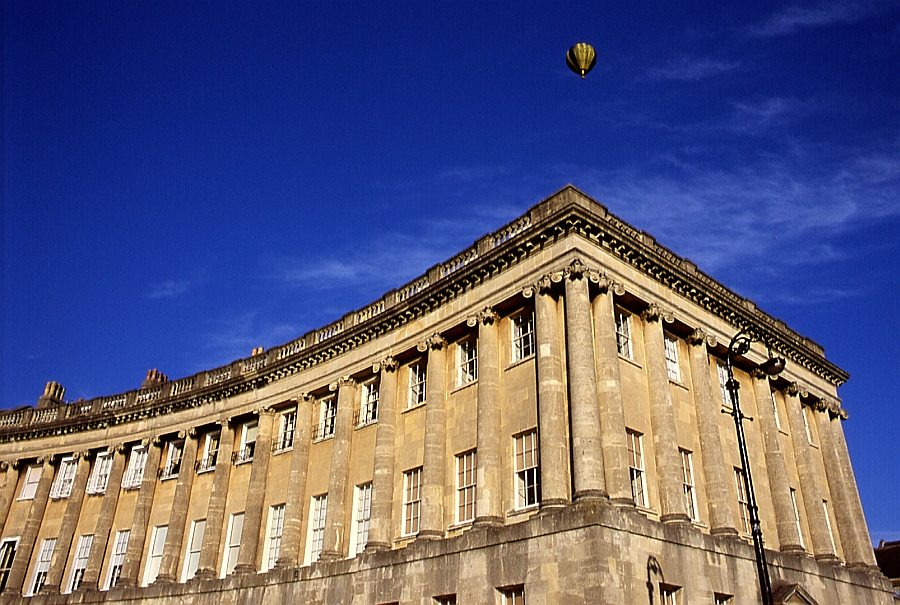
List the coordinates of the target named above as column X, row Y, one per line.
column 343, row 381
column 792, row 390
column 696, row 338
column 388, row 364
column 487, row 316
column 4, row 465
column 655, row 313
column 543, row 285
column 575, row 270
column 305, row 397
column 435, row 342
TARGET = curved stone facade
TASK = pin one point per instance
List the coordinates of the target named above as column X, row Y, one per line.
column 538, row 416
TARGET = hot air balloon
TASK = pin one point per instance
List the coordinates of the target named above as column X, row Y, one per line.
column 581, row 58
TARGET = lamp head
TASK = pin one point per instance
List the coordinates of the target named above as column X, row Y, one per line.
column 773, row 366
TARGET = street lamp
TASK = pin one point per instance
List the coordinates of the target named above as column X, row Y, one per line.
column 773, row 366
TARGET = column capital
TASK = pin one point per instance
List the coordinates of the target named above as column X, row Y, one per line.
column 435, row 342
column 792, row 389
column 486, row 316
column 305, row 396
column 543, row 285
column 4, row 465
column 655, row 313
column 575, row 270
column 387, row 364
column 116, row 448
column 343, row 381
column 697, row 338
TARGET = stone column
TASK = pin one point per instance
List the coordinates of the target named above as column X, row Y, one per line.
column 435, row 458
column 551, row 395
column 609, row 394
column 383, row 481
column 837, row 485
column 16, row 579
column 860, row 527
column 296, row 488
column 587, row 454
column 488, row 495
column 69, row 523
column 168, row 566
column 708, row 406
column 131, row 568
column 256, row 494
column 662, row 422
column 809, row 485
column 779, row 485
column 7, row 489
column 333, row 536
column 105, row 519
column 215, row 513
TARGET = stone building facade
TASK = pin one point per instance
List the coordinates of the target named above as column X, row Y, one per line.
column 537, row 420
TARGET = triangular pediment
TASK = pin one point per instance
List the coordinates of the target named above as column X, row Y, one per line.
column 792, row 594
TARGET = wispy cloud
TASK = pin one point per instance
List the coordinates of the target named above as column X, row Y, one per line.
column 690, row 69
column 169, row 288
column 792, row 19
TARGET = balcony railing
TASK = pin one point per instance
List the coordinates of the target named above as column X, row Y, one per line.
column 243, row 455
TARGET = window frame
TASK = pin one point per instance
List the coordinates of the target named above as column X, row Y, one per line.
column 369, row 399
column 137, row 466
column 466, row 361
column 636, row 470
column 42, row 565
column 212, row 443
column 274, row 536
column 688, row 483
column 232, row 551
column 8, row 548
column 79, row 562
column 523, row 336
column 327, row 418
column 513, row 595
column 412, row 502
column 172, row 466
column 466, row 491
column 527, row 469
column 99, row 479
column 64, row 479
column 193, row 549
column 361, row 518
column 742, row 501
column 155, row 551
column 318, row 509
column 287, row 431
column 247, row 444
column 673, row 367
column 418, row 384
column 795, row 508
column 30, row 482
column 722, row 373
column 117, row 558
column 624, row 333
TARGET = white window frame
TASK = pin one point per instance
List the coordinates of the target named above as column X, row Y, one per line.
column 806, row 427
column 247, row 444
column 466, row 361
column 668, row 594
column 232, row 543
column 361, row 518
column 193, row 548
column 513, row 595
column 527, row 468
column 828, row 525
column 673, row 369
column 80, row 562
column 775, row 410
column 274, row 534
column 42, row 566
column 8, row 548
column 65, row 478
column 287, row 430
column 796, row 510
column 134, row 474
column 117, row 559
column 100, row 473
column 742, row 501
column 722, row 599
column 30, row 484
column 624, row 340
column 368, row 403
column 318, row 508
column 418, row 383
column 212, row 443
column 412, row 501
column 636, row 470
column 522, row 336
column 155, row 553
column 172, row 466
column 327, row 417
column 466, row 473
column 722, row 373
column 687, row 482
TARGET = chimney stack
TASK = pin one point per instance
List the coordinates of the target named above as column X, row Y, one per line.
column 154, row 377
column 53, row 395
column 257, row 351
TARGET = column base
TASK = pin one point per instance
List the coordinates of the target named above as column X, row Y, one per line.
column 327, row 556
column 430, row 534
column 624, row 501
column 591, row 495
column 827, row 558
column 49, row 589
column 126, row 583
column 164, row 579
column 553, row 504
column 729, row 532
column 204, row 574
column 283, row 563
column 243, row 568
column 377, row 547
column 793, row 549
column 675, row 518
column 488, row 521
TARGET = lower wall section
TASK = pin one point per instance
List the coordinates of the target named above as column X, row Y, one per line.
column 579, row 555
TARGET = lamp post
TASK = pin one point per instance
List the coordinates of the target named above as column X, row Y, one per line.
column 773, row 366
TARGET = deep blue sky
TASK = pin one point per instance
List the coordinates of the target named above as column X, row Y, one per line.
column 184, row 181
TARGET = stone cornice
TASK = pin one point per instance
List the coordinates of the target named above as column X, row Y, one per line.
column 565, row 213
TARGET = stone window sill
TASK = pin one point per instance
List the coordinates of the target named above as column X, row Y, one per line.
column 631, row 361
column 519, row 362
column 464, row 386
column 516, row 512
column 283, row 450
column 414, row 407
